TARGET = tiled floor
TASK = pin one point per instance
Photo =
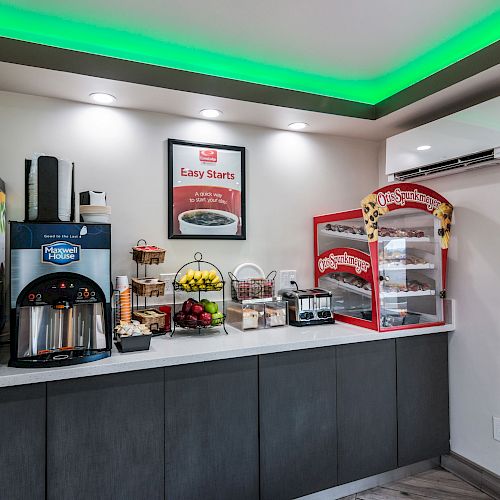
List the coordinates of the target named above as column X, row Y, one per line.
column 436, row 484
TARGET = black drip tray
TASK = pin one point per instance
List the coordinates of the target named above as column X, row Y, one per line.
column 62, row 357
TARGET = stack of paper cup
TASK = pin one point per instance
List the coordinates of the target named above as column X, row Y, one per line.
column 64, row 193
column 125, row 307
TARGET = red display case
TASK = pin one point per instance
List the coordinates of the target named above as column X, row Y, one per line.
column 401, row 234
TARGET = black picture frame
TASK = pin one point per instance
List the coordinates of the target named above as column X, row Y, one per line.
column 172, row 234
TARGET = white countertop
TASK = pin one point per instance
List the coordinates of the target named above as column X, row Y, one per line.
column 185, row 348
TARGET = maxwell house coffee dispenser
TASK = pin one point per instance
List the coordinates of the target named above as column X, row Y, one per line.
column 60, row 293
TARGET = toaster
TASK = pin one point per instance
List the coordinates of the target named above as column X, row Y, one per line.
column 313, row 306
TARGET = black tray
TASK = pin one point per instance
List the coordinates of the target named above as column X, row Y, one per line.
column 137, row 343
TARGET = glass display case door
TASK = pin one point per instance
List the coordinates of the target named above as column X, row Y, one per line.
column 408, row 229
column 347, row 274
column 342, row 229
column 410, row 269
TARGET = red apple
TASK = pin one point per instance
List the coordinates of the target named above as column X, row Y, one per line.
column 196, row 309
column 180, row 318
column 191, row 321
column 205, row 319
column 188, row 304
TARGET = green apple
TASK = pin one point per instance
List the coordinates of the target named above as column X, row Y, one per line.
column 204, row 301
column 217, row 318
column 211, row 307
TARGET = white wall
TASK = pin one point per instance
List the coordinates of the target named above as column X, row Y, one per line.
column 290, row 177
column 473, row 280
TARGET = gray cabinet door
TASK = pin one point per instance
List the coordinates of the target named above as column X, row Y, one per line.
column 298, row 441
column 423, row 416
column 211, row 430
column 105, row 437
column 366, row 409
column 22, row 442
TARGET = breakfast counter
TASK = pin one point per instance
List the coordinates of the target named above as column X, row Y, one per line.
column 289, row 411
column 189, row 348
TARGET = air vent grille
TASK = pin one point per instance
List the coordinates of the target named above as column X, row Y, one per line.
column 463, row 162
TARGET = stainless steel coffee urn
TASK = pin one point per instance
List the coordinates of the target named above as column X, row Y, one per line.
column 60, row 293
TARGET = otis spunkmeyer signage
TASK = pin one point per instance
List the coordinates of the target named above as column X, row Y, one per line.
column 406, row 195
column 206, row 189
column 344, row 260
column 401, row 198
column 332, row 261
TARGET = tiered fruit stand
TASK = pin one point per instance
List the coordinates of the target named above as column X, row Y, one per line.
column 199, row 287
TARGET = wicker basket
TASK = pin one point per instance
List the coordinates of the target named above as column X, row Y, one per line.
column 141, row 287
column 148, row 254
column 153, row 318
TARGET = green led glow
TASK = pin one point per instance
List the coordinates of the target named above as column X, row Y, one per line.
column 103, row 40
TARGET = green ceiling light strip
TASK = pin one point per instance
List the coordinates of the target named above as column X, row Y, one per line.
column 54, row 31
column 462, row 45
column 51, row 30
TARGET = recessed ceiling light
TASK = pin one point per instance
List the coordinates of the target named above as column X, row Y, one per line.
column 424, row 148
column 210, row 113
column 298, row 126
column 102, row 98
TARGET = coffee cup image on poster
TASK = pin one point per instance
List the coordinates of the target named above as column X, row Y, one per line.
column 206, row 191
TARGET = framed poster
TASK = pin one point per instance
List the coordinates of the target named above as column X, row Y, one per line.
column 206, row 191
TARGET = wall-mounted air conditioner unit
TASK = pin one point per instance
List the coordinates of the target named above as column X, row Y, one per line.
column 462, row 141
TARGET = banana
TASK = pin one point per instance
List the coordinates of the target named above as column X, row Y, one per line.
column 215, row 280
column 190, row 274
column 204, row 275
column 197, row 275
column 187, row 288
column 183, row 279
column 192, row 282
column 212, row 274
column 200, row 282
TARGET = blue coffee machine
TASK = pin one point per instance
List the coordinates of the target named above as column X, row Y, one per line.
column 60, row 293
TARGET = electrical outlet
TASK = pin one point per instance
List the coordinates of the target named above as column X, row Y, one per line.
column 285, row 278
column 496, row 428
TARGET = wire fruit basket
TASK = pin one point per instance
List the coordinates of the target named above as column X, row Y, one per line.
column 192, row 278
column 253, row 288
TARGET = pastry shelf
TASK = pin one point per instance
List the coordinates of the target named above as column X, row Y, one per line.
column 419, row 293
column 403, row 267
column 423, row 239
column 345, row 235
column 347, row 286
column 363, row 237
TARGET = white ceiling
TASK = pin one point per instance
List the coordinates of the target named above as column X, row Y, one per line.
column 49, row 83
column 344, row 38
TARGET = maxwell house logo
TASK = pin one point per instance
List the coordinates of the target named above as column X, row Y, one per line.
column 208, row 155
column 60, row 253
